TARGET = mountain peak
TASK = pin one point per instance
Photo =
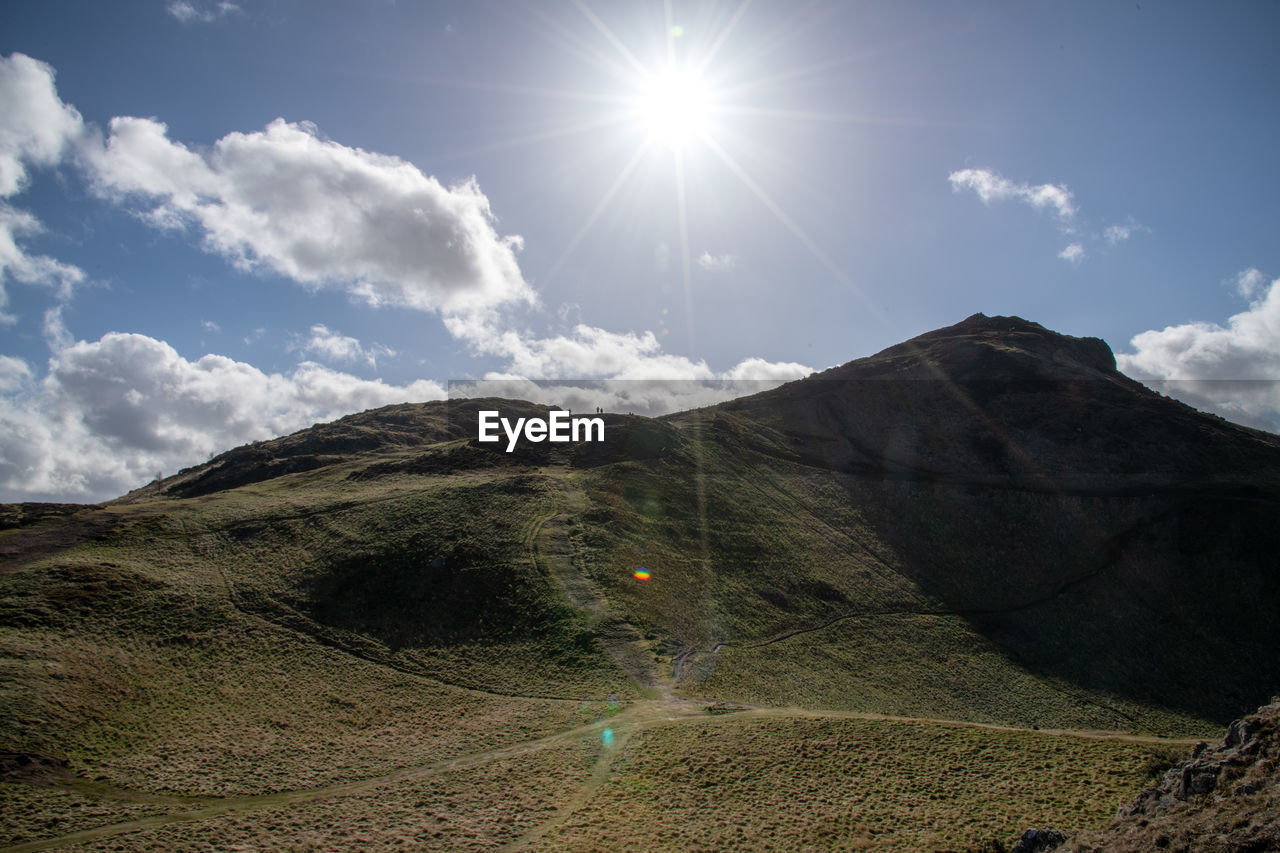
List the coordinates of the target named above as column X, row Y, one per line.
column 981, row 347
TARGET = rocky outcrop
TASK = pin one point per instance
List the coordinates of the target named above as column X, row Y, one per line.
column 1224, row 798
column 1039, row 841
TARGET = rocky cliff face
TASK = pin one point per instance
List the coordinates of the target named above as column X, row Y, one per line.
column 1225, row 798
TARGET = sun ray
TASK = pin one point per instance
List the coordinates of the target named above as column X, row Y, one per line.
column 538, row 136
column 529, row 91
column 670, row 33
column 569, row 42
column 835, row 118
column 791, row 225
column 791, row 75
column 682, row 218
column 577, row 238
column 600, row 25
column 722, row 36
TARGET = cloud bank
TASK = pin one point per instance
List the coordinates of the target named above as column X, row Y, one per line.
column 1231, row 369
column 113, row 413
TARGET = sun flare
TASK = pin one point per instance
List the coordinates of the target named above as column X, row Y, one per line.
column 674, row 106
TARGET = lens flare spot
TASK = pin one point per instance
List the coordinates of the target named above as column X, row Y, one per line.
column 641, row 574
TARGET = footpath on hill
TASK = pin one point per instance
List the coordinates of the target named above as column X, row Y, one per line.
column 551, row 547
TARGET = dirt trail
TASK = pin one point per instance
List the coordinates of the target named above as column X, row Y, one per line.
column 639, row 716
column 600, row 774
column 552, row 548
column 211, row 808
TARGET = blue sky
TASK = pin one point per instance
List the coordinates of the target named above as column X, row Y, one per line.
column 225, row 221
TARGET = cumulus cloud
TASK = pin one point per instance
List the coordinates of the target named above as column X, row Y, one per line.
column 320, row 213
column 717, row 263
column 36, row 129
column 14, row 373
column 188, row 12
column 1233, row 369
column 342, row 348
column 990, row 186
column 35, row 126
column 112, row 413
column 1073, row 254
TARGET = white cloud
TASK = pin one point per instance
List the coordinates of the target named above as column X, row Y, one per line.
column 1248, row 347
column 589, row 351
column 1249, row 281
column 648, row 397
column 717, row 263
column 17, row 264
column 321, row 213
column 1073, row 254
column 342, row 348
column 14, row 373
column 210, row 326
column 586, row 351
column 188, row 12
column 35, row 126
column 758, row 368
column 1117, row 233
column 990, row 186
column 113, row 412
column 1232, row 369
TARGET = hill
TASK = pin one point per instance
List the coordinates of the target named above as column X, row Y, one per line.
column 983, row 547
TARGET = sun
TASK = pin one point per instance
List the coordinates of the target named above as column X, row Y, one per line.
column 674, row 106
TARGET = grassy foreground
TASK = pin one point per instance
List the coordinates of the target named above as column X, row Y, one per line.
column 769, row 780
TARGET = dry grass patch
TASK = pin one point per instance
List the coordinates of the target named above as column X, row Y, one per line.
column 479, row 808
column 824, row 784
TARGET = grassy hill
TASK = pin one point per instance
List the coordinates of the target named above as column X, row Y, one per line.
column 967, row 552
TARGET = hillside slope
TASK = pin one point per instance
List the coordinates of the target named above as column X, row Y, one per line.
column 986, row 525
